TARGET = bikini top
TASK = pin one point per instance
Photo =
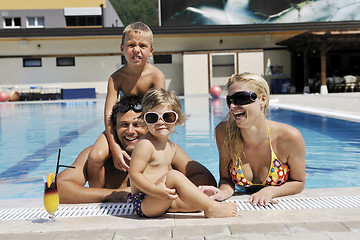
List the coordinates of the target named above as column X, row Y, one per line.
column 278, row 172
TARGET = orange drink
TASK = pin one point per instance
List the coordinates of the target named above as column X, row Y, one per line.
column 51, row 196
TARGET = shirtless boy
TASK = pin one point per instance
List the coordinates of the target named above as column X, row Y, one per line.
column 136, row 77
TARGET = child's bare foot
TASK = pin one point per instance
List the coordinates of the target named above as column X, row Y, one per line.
column 221, row 209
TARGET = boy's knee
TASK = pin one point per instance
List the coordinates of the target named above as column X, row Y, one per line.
column 174, row 175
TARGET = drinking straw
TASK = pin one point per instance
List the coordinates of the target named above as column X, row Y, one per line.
column 66, row 166
column 58, row 166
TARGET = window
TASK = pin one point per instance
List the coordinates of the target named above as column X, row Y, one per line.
column 35, row 22
column 32, row 62
column 158, row 59
column 73, row 21
column 65, row 61
column 12, row 22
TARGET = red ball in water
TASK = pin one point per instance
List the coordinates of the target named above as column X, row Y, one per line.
column 4, row 97
column 215, row 91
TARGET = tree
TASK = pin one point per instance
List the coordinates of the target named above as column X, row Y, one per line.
column 130, row 11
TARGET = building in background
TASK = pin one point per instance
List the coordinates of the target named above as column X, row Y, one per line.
column 320, row 57
column 192, row 57
column 22, row 14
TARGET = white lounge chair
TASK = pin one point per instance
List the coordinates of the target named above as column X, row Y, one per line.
column 350, row 81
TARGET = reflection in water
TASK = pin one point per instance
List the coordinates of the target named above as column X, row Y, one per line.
column 216, row 106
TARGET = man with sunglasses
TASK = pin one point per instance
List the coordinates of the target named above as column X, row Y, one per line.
column 115, row 187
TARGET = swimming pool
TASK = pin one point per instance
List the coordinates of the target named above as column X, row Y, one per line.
column 31, row 134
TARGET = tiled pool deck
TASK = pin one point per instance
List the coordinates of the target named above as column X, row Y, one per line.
column 314, row 223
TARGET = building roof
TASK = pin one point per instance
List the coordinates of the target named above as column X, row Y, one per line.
column 332, row 39
column 184, row 30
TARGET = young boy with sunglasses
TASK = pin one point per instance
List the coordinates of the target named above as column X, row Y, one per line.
column 156, row 187
column 136, row 77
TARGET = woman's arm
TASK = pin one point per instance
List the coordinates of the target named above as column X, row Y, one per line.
column 226, row 186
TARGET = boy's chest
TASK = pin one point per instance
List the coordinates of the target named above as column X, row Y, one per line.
column 136, row 86
column 159, row 164
column 162, row 158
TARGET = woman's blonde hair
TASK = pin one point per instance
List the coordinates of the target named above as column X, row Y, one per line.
column 233, row 142
column 155, row 97
column 137, row 27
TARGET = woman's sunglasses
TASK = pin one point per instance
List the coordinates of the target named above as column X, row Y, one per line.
column 154, row 117
column 241, row 98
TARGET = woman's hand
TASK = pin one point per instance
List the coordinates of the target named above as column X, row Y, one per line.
column 262, row 197
column 213, row 192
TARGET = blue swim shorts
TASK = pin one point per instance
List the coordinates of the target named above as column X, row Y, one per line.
column 136, row 200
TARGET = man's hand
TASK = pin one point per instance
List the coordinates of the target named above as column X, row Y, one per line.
column 117, row 196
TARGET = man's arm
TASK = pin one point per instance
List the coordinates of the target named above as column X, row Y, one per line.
column 195, row 171
column 71, row 181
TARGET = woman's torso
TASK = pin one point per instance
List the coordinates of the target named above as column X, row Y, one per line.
column 260, row 167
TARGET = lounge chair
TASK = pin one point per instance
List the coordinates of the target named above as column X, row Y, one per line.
column 350, row 81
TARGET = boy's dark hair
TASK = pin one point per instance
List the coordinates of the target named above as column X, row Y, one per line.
column 126, row 103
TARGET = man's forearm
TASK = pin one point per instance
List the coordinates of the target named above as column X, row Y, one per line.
column 70, row 192
column 203, row 178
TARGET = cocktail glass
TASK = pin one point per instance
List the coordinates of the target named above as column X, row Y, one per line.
column 51, row 196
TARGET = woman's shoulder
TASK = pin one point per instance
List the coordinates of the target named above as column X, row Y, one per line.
column 284, row 131
column 220, row 129
column 285, row 139
column 221, row 126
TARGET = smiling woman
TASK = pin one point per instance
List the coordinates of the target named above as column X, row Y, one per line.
column 249, row 156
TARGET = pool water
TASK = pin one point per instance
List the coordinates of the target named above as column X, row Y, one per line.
column 31, row 134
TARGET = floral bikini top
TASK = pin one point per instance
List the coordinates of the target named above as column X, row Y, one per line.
column 278, row 173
